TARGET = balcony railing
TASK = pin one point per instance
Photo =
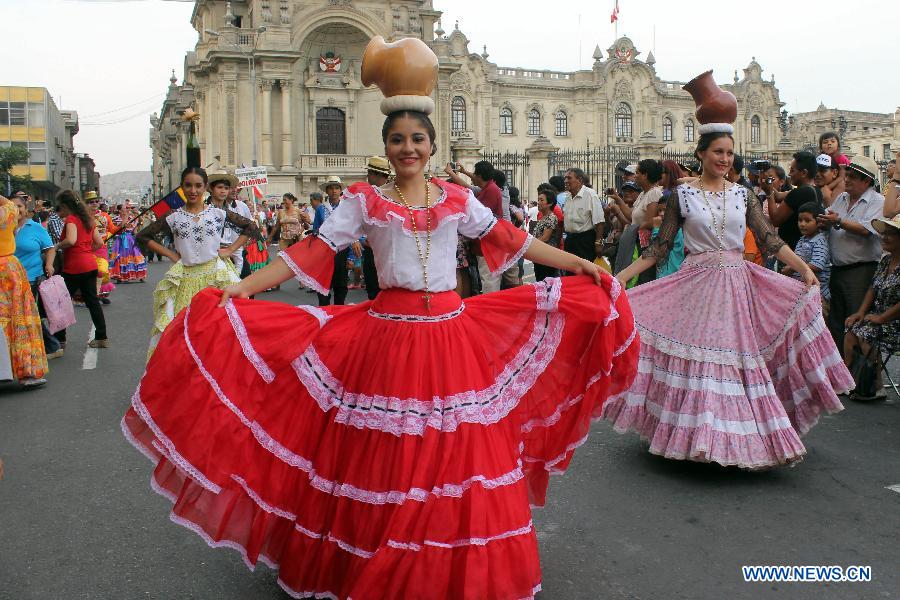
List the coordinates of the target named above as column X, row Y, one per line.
column 246, row 39
column 325, row 162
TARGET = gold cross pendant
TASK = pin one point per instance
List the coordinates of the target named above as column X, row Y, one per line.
column 427, row 299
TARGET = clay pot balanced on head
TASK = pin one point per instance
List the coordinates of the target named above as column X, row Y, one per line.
column 405, row 70
column 714, row 105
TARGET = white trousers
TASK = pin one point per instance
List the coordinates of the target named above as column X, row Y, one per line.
column 489, row 283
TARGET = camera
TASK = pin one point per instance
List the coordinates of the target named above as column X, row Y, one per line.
column 762, row 165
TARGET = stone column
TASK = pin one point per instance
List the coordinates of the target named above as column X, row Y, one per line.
column 538, row 165
column 649, row 146
column 287, row 129
column 266, row 85
column 466, row 150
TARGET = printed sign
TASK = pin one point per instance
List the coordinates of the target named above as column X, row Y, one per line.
column 252, row 176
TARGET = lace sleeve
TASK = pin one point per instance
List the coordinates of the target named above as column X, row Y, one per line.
column 661, row 246
column 247, row 226
column 152, row 232
column 766, row 237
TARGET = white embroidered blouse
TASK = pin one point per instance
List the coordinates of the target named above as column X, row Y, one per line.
column 701, row 220
column 197, row 238
column 367, row 211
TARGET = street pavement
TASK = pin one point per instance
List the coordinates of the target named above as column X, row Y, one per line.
column 78, row 519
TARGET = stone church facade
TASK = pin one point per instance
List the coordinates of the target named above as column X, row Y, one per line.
column 314, row 118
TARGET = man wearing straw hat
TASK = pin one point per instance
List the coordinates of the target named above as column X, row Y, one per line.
column 378, row 172
column 222, row 186
column 332, row 186
column 854, row 243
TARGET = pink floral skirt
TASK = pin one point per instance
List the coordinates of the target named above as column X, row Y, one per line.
column 735, row 364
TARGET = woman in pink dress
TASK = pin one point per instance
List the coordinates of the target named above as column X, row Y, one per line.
column 736, row 362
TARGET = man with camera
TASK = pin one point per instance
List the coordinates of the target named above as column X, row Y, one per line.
column 784, row 214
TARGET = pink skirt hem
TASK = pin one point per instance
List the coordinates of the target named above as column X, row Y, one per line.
column 746, row 400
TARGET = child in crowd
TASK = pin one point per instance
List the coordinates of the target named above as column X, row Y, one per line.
column 830, row 144
column 676, row 256
column 354, row 264
column 813, row 249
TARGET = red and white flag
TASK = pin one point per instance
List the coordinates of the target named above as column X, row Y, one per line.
column 615, row 13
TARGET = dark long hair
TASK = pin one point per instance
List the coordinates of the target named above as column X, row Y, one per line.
column 706, row 140
column 671, row 168
column 421, row 117
column 75, row 206
column 196, row 171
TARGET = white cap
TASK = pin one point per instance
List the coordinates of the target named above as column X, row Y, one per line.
column 630, row 169
column 823, row 160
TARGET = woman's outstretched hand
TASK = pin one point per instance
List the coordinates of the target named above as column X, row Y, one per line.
column 586, row 267
column 234, row 290
column 809, row 278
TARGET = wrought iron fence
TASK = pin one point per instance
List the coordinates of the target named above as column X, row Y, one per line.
column 514, row 165
column 682, row 158
column 599, row 164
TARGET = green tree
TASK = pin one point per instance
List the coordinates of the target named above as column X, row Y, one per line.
column 9, row 157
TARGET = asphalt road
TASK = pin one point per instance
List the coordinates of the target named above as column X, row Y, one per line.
column 78, row 519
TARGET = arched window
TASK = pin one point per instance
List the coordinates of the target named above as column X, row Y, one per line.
column 457, row 115
column 534, row 122
column 562, row 123
column 689, row 130
column 667, row 129
column 506, row 121
column 754, row 130
column 623, row 121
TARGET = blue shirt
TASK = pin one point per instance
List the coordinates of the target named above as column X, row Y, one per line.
column 676, row 255
column 320, row 216
column 815, row 252
column 30, row 241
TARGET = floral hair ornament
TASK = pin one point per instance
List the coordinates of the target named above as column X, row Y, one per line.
column 406, row 71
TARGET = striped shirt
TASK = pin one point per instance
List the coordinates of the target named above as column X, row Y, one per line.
column 814, row 252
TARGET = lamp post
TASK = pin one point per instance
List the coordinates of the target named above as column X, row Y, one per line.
column 251, row 65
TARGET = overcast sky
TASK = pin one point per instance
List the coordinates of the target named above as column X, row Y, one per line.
column 111, row 59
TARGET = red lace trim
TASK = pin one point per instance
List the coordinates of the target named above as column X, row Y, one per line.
column 379, row 210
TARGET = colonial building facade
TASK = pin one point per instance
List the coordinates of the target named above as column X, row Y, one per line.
column 279, row 81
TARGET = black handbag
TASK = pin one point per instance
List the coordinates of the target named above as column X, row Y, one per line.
column 865, row 371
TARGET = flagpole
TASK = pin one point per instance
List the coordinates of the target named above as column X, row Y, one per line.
column 121, row 228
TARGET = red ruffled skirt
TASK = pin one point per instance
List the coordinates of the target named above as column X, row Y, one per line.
column 376, row 451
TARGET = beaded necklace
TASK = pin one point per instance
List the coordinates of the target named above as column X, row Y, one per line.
column 423, row 257
column 718, row 228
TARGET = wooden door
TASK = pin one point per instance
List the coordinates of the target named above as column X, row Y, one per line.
column 331, row 134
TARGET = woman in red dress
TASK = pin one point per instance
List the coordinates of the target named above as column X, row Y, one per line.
column 389, row 449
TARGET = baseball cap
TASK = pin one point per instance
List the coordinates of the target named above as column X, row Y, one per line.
column 630, row 185
column 630, row 169
column 824, row 161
